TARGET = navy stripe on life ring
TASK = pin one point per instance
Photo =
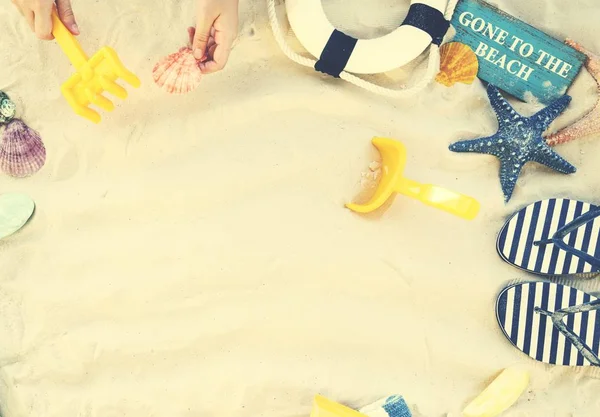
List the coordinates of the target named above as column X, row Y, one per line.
column 336, row 54
column 429, row 20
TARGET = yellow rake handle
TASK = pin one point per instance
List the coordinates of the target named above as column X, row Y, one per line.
column 67, row 42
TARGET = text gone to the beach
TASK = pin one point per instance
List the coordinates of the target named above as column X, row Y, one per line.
column 515, row 56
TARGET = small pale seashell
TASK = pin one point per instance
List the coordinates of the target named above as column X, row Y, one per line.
column 458, row 64
column 178, row 73
column 22, row 152
column 15, row 210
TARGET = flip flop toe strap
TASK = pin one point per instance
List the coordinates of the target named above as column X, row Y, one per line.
column 558, row 322
column 561, row 233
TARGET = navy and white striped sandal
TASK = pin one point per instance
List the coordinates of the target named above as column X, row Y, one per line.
column 553, row 238
column 551, row 323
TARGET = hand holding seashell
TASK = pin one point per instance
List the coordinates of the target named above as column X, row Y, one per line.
column 216, row 29
column 38, row 14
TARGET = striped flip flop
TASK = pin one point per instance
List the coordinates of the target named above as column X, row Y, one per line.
column 551, row 323
column 553, row 238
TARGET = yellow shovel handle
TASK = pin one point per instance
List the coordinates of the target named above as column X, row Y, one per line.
column 455, row 203
column 67, row 42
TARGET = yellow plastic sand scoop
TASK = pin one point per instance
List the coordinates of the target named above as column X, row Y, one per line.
column 93, row 76
column 393, row 154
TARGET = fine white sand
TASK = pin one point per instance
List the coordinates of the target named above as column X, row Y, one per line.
column 192, row 256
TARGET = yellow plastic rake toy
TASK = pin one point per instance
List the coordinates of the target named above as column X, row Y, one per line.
column 93, row 76
column 393, row 155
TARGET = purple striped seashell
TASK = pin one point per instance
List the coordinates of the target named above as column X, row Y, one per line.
column 22, row 152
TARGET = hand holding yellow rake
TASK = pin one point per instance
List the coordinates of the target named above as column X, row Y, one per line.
column 93, row 76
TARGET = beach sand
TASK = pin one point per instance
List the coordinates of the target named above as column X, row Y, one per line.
column 192, row 256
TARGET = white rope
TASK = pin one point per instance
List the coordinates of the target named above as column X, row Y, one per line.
column 432, row 66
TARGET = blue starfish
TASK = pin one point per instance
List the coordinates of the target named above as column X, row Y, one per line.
column 518, row 140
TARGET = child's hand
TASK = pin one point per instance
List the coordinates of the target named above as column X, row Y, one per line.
column 38, row 12
column 216, row 29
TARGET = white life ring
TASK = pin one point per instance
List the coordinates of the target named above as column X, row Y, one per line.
column 370, row 56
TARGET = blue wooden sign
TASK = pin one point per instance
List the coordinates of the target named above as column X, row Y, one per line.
column 514, row 56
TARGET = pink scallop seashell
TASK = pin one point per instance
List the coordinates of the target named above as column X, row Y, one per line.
column 178, row 73
column 22, row 152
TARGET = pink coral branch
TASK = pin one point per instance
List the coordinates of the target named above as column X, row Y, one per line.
column 590, row 123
